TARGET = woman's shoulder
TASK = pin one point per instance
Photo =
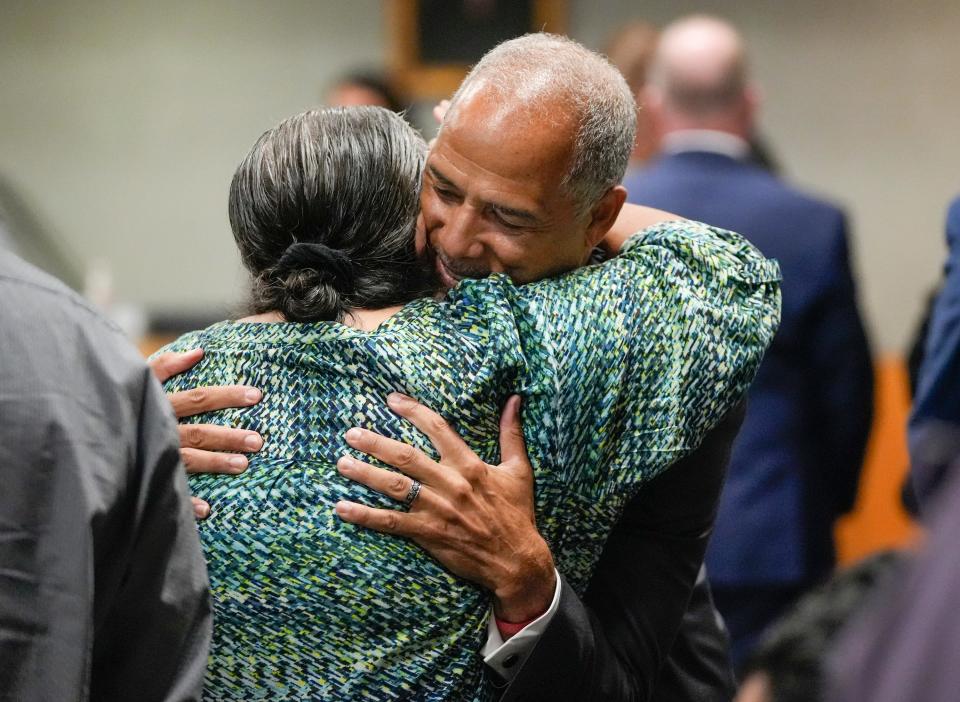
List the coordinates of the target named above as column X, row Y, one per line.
column 194, row 339
column 703, row 247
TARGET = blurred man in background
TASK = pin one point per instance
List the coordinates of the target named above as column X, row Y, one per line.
column 796, row 463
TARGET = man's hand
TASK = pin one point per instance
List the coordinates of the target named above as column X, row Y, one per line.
column 203, row 446
column 477, row 520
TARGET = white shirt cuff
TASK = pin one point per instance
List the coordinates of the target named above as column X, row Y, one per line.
column 507, row 657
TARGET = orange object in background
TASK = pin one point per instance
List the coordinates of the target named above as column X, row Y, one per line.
column 878, row 520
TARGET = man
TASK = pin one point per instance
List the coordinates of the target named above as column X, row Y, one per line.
column 796, row 464
column 103, row 588
column 935, row 421
column 523, row 180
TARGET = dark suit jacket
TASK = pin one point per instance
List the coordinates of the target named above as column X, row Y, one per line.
column 935, row 422
column 796, row 463
column 613, row 643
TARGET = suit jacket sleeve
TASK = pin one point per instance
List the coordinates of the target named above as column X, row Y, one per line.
column 935, row 422
column 154, row 635
column 613, row 643
column 840, row 377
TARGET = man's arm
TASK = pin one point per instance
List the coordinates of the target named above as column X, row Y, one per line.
column 154, row 627
column 619, row 642
column 841, row 379
column 610, row 645
column 208, row 448
column 935, row 421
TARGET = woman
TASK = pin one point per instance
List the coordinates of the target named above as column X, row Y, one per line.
column 323, row 210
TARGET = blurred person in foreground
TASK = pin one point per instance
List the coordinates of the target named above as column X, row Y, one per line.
column 103, row 589
column 796, row 463
column 323, row 211
column 904, row 646
column 510, row 214
column 934, row 432
column 790, row 663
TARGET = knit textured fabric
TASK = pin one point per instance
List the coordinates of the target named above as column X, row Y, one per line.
column 623, row 367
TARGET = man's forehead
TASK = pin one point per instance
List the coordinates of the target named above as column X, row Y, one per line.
column 520, row 151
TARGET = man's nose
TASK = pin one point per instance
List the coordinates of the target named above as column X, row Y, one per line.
column 460, row 237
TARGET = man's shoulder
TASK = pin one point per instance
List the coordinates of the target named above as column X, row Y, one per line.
column 810, row 201
column 29, row 291
column 953, row 227
column 707, row 182
column 60, row 337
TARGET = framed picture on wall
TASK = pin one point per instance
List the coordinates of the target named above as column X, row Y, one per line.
column 434, row 42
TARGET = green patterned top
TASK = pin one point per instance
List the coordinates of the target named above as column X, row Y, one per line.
column 623, row 367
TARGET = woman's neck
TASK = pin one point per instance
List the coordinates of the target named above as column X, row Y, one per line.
column 364, row 320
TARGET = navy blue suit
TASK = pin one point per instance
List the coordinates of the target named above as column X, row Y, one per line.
column 796, row 463
column 935, row 422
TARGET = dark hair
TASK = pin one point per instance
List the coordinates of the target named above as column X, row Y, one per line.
column 376, row 83
column 794, row 651
column 323, row 210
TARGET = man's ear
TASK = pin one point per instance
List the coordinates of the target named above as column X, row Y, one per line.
column 604, row 214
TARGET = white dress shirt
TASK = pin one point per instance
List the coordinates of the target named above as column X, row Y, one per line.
column 506, row 657
column 708, row 140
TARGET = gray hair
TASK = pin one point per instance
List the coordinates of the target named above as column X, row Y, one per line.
column 537, row 71
column 323, row 210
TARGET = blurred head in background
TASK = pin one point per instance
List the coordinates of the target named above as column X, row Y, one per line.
column 631, row 50
column 524, row 176
column 364, row 88
column 699, row 79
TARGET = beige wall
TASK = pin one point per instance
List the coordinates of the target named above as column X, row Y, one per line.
column 121, row 122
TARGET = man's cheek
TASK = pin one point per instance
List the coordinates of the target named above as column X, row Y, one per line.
column 420, row 236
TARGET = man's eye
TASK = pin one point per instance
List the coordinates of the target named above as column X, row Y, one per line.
column 507, row 222
column 445, row 195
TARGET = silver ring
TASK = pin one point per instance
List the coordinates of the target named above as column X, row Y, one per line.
column 412, row 494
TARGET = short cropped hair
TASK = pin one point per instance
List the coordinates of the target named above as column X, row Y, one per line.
column 543, row 69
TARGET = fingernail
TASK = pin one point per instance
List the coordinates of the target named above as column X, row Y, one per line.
column 344, row 464
column 398, row 399
column 353, row 434
column 343, row 509
column 253, row 395
column 253, row 442
column 238, row 463
column 201, row 511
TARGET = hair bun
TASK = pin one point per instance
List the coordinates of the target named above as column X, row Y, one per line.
column 333, row 265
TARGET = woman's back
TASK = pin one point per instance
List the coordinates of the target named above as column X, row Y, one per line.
column 623, row 368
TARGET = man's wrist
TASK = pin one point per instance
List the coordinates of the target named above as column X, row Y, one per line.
column 530, row 591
